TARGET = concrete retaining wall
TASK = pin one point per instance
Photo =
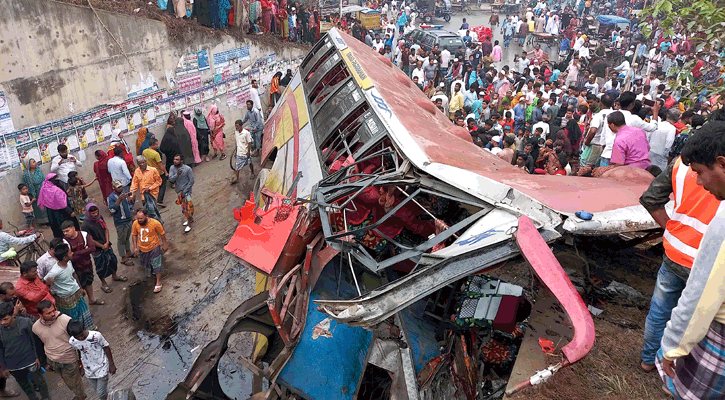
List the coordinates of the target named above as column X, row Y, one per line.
column 58, row 59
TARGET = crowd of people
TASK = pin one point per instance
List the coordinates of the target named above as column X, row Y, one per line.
column 609, row 103
column 604, row 100
column 50, row 301
column 291, row 21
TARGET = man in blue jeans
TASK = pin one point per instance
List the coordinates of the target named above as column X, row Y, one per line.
column 694, row 208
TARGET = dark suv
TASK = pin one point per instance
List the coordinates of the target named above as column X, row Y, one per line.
column 427, row 38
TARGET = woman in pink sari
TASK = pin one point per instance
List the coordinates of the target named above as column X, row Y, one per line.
column 216, row 125
column 194, row 139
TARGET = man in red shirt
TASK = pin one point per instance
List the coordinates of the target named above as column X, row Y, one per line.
column 30, row 289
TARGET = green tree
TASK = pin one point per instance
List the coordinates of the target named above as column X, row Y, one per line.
column 703, row 22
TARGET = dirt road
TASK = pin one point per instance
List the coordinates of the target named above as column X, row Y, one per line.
column 152, row 335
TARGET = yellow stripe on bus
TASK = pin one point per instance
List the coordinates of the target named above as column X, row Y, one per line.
column 361, row 77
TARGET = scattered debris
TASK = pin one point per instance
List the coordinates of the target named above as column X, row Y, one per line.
column 624, row 292
column 595, row 311
column 547, row 346
column 322, row 329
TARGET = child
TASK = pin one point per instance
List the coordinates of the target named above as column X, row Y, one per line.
column 26, row 201
column 75, row 196
column 96, row 356
column 508, row 121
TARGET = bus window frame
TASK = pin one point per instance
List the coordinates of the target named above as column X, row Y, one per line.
column 351, row 108
column 320, row 73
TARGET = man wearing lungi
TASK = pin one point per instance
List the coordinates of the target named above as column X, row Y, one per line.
column 149, row 241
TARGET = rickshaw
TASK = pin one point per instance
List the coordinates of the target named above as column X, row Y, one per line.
column 605, row 22
column 544, row 38
column 435, row 9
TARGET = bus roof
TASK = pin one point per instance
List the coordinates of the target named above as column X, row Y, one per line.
column 444, row 144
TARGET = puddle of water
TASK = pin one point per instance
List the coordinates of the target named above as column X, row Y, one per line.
column 168, row 347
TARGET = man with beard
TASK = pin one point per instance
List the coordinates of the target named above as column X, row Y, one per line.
column 149, row 241
column 147, row 181
column 62, row 164
column 182, row 175
column 62, row 357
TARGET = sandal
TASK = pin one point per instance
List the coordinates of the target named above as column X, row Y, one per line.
column 215, row 156
column 647, row 367
column 97, row 303
column 223, row 157
column 158, row 288
column 106, row 289
column 127, row 263
column 121, row 278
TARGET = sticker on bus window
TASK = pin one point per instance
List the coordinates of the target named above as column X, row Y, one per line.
column 361, row 77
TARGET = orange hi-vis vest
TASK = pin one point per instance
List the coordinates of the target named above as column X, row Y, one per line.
column 694, row 208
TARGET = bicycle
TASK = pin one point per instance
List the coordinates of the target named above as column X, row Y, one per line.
column 31, row 251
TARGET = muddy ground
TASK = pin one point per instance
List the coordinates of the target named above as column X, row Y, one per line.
column 611, row 370
column 202, row 285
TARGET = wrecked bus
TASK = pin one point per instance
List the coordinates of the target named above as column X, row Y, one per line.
column 373, row 221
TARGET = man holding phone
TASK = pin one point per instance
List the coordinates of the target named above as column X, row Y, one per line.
column 120, row 208
column 63, row 163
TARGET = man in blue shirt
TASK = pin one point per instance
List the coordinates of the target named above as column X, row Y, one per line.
column 120, row 209
column 464, row 25
column 519, row 114
column 256, row 126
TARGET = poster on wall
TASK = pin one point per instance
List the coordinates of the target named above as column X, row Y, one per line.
column 163, row 107
column 103, row 129
column 27, row 152
column 220, row 89
column 178, row 102
column 232, row 99
column 244, row 94
column 66, row 124
column 148, row 114
column 34, row 132
column 6, row 122
column 207, row 93
column 48, row 149
column 70, row 139
column 202, row 58
column 133, row 117
column 82, row 119
column 189, row 82
column 118, row 121
column 45, row 130
column 86, row 135
column 193, row 98
column 232, row 85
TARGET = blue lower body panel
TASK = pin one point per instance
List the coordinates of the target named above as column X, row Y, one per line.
column 327, row 368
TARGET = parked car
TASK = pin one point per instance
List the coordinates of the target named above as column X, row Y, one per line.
column 429, row 37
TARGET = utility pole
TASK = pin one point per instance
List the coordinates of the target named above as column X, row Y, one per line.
column 340, row 10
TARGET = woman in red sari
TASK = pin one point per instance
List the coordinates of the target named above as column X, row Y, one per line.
column 117, row 140
column 102, row 174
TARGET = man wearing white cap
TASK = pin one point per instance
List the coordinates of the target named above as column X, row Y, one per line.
column 440, row 94
column 494, row 145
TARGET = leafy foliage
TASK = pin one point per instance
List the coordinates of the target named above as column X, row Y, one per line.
column 703, row 22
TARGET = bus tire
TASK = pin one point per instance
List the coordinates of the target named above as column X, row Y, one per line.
column 259, row 183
